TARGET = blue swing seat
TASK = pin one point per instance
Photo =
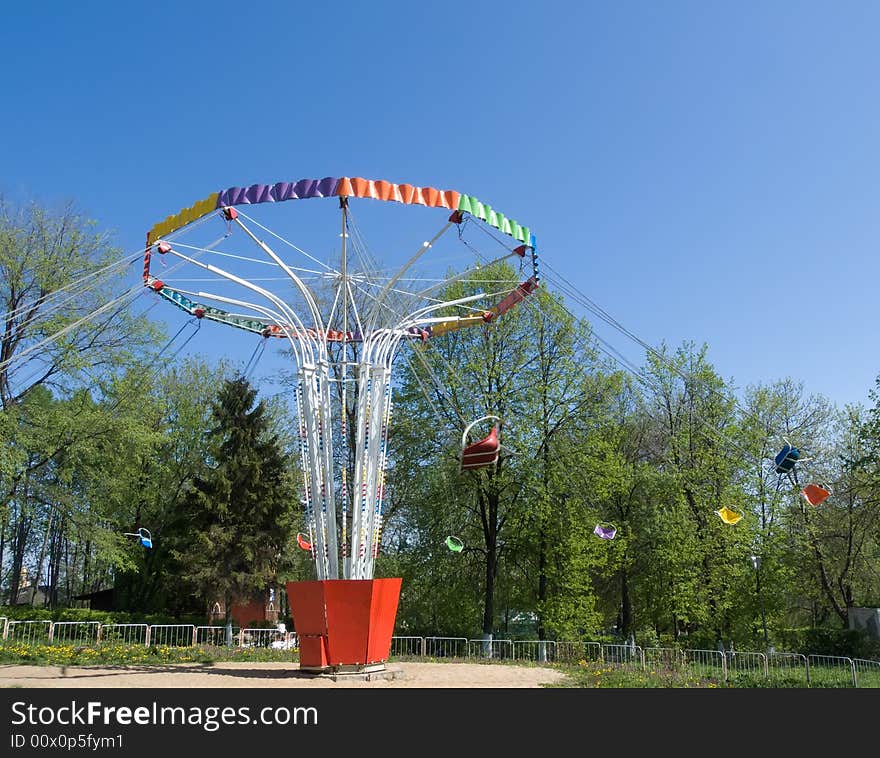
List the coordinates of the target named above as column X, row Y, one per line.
column 786, row 458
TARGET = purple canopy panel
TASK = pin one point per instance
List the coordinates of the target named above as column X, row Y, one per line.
column 276, row 193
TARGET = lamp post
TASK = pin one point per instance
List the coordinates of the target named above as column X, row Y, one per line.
column 756, row 564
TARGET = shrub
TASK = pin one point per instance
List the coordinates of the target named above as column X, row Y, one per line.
column 851, row 643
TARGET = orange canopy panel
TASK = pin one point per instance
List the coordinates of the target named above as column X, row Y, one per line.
column 814, row 494
column 482, row 453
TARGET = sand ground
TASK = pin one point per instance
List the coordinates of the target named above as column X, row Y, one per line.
column 243, row 675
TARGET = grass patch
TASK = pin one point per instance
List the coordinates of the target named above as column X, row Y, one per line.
column 592, row 675
column 597, row 675
column 114, row 654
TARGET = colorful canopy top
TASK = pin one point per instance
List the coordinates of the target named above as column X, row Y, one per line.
column 343, row 187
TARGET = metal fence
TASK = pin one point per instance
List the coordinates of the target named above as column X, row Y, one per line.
column 749, row 664
column 445, row 647
column 867, row 672
column 574, row 652
column 408, row 647
column 215, row 636
column 76, row 632
column 832, row 671
column 28, row 632
column 539, row 651
column 171, row 635
column 706, row 663
column 788, row 666
column 625, row 656
column 663, row 658
column 126, row 634
column 267, row 638
column 827, row 671
column 490, row 648
column 812, row 670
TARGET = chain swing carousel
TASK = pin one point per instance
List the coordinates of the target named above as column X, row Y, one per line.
column 344, row 324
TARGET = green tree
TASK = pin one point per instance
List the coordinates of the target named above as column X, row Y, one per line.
column 240, row 509
column 65, row 296
column 536, row 370
column 67, row 332
column 150, row 479
column 694, row 442
column 74, row 453
column 455, row 379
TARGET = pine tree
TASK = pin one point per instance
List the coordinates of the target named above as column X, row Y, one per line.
column 239, row 511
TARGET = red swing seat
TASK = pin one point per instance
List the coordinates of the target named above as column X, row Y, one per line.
column 814, row 494
column 483, row 453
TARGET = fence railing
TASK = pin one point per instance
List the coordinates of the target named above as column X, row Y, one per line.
column 629, row 656
column 832, row 671
column 445, row 647
column 539, row 651
column 77, row 632
column 666, row 658
column 490, row 648
column 408, row 647
column 753, row 664
column 215, row 636
column 573, row 652
column 28, row 632
column 788, row 665
column 814, row 670
column 126, row 634
column 867, row 672
column 268, row 638
column 706, row 663
column 170, row 635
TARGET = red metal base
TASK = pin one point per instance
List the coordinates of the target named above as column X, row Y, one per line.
column 343, row 622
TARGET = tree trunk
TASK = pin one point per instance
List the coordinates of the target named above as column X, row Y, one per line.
column 626, row 618
column 39, row 569
column 491, row 532
column 85, row 572
column 55, row 549
column 22, row 532
column 2, row 543
column 545, row 475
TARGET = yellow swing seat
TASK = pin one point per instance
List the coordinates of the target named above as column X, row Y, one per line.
column 728, row 516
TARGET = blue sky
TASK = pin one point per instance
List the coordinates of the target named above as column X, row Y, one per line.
column 703, row 171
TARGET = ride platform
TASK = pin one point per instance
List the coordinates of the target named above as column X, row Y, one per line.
column 344, row 626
